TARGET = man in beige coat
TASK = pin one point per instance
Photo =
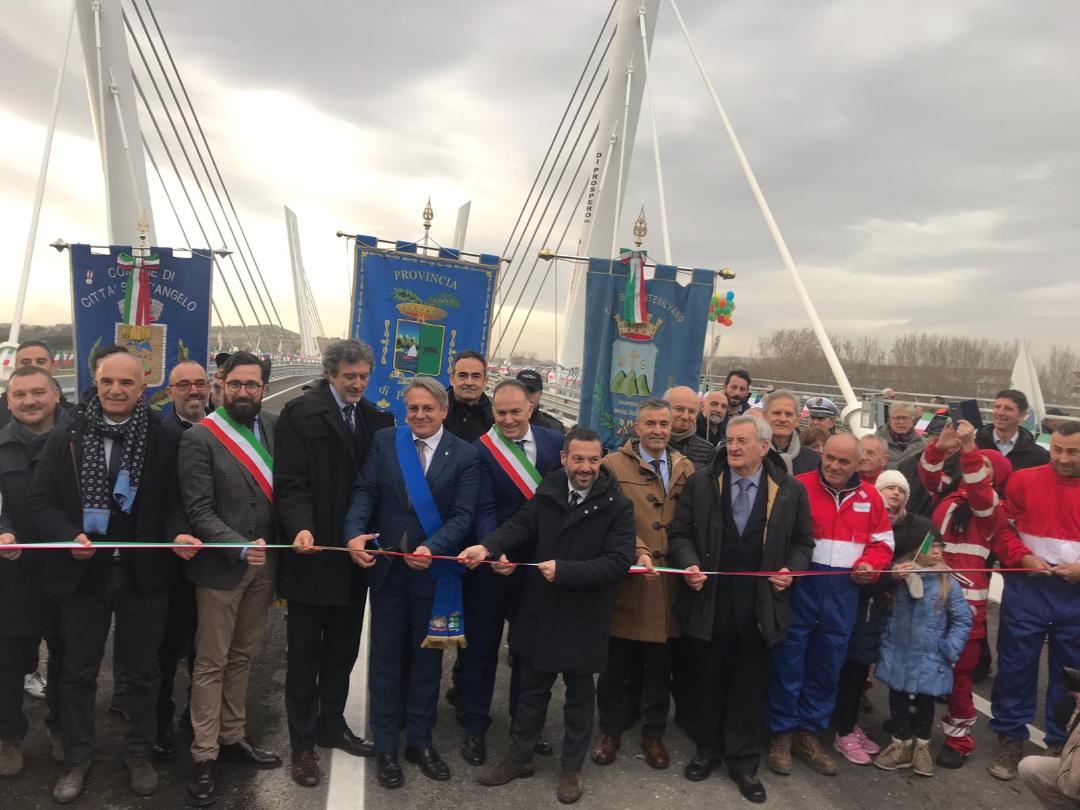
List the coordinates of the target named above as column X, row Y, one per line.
column 1055, row 781
column 652, row 477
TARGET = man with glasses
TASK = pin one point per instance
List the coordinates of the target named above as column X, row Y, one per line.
column 189, row 390
column 225, row 467
column 900, row 434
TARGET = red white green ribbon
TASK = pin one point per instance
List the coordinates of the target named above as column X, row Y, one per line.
column 137, row 287
column 633, row 308
column 513, row 461
column 240, row 441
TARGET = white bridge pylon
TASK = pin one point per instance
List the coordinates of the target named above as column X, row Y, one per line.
column 307, row 316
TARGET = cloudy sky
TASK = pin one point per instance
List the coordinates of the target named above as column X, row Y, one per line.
column 921, row 158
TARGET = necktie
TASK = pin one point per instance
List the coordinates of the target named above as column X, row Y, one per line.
column 741, row 505
column 115, row 454
column 420, row 446
column 575, row 498
column 656, row 465
column 520, row 443
column 347, row 415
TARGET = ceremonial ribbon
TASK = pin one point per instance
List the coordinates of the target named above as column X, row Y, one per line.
column 634, row 569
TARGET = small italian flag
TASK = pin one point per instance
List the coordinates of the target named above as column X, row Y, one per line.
column 926, row 419
column 634, row 309
column 927, row 543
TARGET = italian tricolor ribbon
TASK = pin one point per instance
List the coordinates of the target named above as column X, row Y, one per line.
column 633, row 308
column 240, row 441
column 513, row 461
column 137, row 288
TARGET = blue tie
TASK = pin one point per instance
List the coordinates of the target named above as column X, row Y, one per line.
column 742, row 504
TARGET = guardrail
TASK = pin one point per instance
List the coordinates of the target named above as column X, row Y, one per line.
column 278, row 371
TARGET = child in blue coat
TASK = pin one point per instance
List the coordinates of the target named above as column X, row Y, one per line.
column 924, row 636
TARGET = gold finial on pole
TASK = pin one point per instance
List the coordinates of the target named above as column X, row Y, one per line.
column 428, row 216
column 143, row 227
column 640, row 230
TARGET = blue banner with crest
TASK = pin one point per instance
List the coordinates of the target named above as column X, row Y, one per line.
column 156, row 306
column 418, row 313
column 625, row 363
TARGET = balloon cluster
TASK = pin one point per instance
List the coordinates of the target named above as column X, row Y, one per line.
column 721, row 308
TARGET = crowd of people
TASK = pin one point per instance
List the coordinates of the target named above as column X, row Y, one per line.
column 624, row 573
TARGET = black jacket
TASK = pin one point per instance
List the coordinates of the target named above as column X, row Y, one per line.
column 865, row 642
column 22, row 602
column 697, row 532
column 1025, row 453
column 316, row 459
column 695, row 448
column 546, row 420
column 564, row 626
column 56, row 503
column 469, row 421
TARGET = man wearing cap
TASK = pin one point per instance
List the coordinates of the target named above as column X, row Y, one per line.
column 712, row 420
column 534, row 384
column 823, row 413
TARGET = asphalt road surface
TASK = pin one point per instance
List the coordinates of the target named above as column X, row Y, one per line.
column 349, row 782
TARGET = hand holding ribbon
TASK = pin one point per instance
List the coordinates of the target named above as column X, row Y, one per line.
column 780, row 583
column 1041, row 567
column 695, row 580
column 473, row 556
column 356, row 548
column 256, row 553
column 304, row 543
column 645, row 561
column 8, row 539
column 421, row 559
column 864, row 574
column 84, row 553
column 189, row 546
column 547, row 570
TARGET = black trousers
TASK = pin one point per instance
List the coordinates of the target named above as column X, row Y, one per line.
column 531, row 714
column 178, row 644
column 322, row 646
column 18, row 658
column 681, row 662
column 84, row 626
column 905, row 724
column 487, row 598
column 731, row 685
column 631, row 663
column 849, row 695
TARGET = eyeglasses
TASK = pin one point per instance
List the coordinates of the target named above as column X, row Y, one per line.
column 250, row 386
column 186, row 385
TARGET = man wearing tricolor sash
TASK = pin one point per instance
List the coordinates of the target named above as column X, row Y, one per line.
column 226, row 473
column 514, row 456
column 418, row 491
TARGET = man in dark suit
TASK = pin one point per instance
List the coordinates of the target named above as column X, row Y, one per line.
column 323, row 438
column 225, row 466
column 760, row 521
column 402, row 589
column 189, row 390
column 34, row 404
column 111, row 475
column 578, row 532
column 507, row 482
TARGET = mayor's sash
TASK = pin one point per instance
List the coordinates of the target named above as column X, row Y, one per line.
column 512, row 461
column 242, row 445
column 446, row 625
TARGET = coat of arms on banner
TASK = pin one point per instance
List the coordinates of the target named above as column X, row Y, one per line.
column 418, row 338
column 633, row 358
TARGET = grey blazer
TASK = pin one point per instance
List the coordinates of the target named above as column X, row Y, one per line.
column 223, row 505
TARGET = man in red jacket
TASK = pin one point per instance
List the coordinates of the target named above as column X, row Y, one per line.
column 969, row 518
column 852, row 533
column 1043, row 504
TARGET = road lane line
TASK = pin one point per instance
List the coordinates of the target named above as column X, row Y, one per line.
column 307, row 381
column 348, row 773
column 982, row 705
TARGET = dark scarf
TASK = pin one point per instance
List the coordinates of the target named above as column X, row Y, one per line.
column 31, row 442
column 93, row 470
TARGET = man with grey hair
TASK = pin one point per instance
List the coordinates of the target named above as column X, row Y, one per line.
column 419, row 488
column 875, row 458
column 900, row 434
column 323, row 439
column 782, row 413
column 743, row 513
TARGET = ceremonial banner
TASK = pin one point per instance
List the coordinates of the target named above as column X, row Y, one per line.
column 156, row 306
column 418, row 313
column 625, row 363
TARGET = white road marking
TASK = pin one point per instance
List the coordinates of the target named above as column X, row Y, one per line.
column 307, row 380
column 982, row 705
column 348, row 773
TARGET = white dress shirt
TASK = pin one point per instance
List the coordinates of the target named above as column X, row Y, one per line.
column 1005, row 447
column 431, row 444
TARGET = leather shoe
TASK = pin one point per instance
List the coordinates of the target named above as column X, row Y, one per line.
column 388, row 771
column 751, row 788
column 71, row 783
column 606, row 749
column 305, row 768
column 431, row 764
column 244, row 753
column 164, row 749
column 699, row 768
column 200, row 789
column 570, row 787
column 543, row 748
column 655, row 753
column 349, row 743
column 474, row 749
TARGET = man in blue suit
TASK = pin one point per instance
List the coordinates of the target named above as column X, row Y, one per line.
column 444, row 486
column 514, row 456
